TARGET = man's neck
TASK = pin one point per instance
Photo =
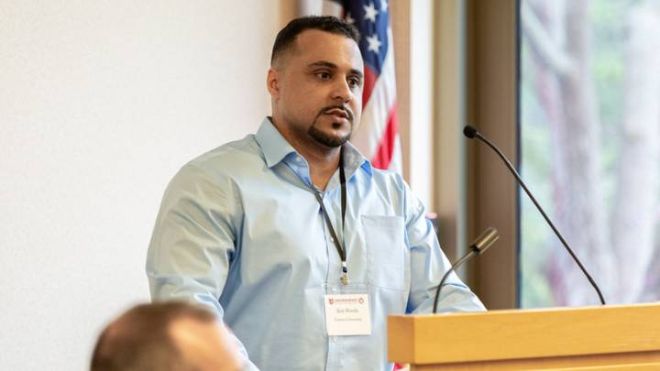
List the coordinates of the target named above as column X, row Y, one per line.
column 322, row 165
column 323, row 161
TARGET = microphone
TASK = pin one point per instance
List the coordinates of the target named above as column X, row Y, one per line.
column 472, row 133
column 478, row 247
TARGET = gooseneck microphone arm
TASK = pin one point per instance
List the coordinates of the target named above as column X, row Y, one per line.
column 472, row 133
column 478, row 247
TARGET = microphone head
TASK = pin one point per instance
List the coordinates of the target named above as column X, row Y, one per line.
column 485, row 240
column 470, row 131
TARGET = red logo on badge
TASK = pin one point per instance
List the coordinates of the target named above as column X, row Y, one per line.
column 331, row 301
column 361, row 301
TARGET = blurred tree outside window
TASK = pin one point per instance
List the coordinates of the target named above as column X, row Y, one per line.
column 590, row 143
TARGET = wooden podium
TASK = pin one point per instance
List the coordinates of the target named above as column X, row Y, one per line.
column 589, row 338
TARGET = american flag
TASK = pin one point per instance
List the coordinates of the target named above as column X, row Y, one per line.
column 377, row 136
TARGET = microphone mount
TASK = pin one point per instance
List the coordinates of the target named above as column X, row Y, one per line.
column 478, row 247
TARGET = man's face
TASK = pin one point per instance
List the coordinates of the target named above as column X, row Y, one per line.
column 316, row 87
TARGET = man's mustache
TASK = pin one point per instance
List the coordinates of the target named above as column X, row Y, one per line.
column 347, row 111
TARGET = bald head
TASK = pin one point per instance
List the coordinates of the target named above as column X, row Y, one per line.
column 166, row 336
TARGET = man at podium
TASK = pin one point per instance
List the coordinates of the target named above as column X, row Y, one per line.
column 290, row 235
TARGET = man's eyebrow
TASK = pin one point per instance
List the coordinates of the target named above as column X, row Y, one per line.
column 334, row 67
column 323, row 64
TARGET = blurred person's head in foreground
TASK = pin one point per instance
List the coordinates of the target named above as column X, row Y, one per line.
column 171, row 336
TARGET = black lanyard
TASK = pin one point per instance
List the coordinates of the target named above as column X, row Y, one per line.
column 340, row 249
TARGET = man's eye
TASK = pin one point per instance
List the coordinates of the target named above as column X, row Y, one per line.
column 323, row 75
column 354, row 82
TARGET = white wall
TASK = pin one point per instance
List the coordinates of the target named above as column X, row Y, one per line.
column 100, row 103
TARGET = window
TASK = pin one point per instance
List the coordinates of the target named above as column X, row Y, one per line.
column 590, row 143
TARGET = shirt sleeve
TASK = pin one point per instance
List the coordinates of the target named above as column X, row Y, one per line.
column 193, row 242
column 429, row 264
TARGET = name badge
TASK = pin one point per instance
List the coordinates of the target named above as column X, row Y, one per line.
column 347, row 314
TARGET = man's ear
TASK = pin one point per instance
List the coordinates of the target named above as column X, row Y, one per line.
column 273, row 83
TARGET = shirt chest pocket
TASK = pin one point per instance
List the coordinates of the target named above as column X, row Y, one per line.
column 386, row 251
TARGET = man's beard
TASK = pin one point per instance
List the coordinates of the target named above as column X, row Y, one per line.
column 331, row 141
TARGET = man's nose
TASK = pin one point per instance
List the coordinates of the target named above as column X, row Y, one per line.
column 342, row 91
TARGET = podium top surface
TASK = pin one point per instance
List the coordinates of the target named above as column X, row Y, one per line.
column 536, row 333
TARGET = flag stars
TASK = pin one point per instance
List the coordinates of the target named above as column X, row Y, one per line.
column 370, row 12
column 374, row 43
column 383, row 5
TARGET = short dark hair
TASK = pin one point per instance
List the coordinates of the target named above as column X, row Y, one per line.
column 288, row 34
column 140, row 339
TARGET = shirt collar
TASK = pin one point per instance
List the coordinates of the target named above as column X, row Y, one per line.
column 273, row 145
column 275, row 149
column 353, row 160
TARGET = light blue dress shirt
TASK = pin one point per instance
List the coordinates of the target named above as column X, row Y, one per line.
column 240, row 230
